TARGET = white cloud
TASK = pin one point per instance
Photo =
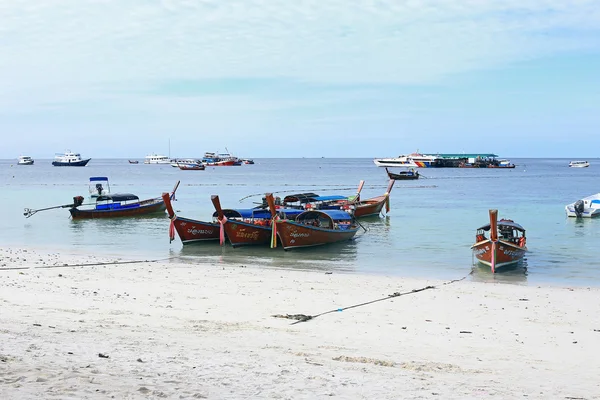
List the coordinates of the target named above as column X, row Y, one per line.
column 74, row 42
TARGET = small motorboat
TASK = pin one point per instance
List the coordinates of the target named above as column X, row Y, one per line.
column 25, row 160
column 579, row 164
column 409, row 174
column 505, row 246
column 133, row 161
column 587, row 207
column 69, row 159
column 99, row 186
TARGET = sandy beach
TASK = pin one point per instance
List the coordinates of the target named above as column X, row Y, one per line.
column 174, row 329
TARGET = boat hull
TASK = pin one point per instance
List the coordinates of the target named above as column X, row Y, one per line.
column 369, row 207
column 190, row 230
column 146, row 207
column 295, row 235
column 241, row 233
column 25, row 162
column 403, row 176
column 81, row 163
column 506, row 254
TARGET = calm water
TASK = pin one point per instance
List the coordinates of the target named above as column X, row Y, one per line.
column 427, row 233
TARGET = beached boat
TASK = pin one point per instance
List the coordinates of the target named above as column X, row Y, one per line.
column 587, row 207
column 579, row 164
column 25, row 160
column 69, row 159
column 248, row 227
column 505, row 246
column 119, row 205
column 312, row 228
column 99, row 186
column 409, row 174
column 157, row 159
column 190, row 230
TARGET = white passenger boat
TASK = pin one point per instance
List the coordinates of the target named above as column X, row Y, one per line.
column 412, row 160
column 25, row 160
column 157, row 159
column 69, row 159
column 587, row 207
column 579, row 164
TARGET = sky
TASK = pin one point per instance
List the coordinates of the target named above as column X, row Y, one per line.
column 302, row 78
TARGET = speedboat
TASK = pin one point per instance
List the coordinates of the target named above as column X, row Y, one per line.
column 69, row 159
column 185, row 161
column 25, row 160
column 505, row 246
column 587, row 207
column 157, row 159
column 410, row 160
column 579, row 164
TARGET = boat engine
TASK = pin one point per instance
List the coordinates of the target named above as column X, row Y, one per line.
column 99, row 188
column 77, row 201
column 578, row 207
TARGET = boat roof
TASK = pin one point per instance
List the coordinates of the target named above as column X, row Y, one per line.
column 337, row 215
column 261, row 213
column 98, row 178
column 117, row 197
column 504, row 222
column 301, row 197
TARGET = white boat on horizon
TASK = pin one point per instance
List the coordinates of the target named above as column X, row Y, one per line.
column 412, row 160
column 579, row 164
column 586, row 207
column 69, row 159
column 25, row 160
column 157, row 159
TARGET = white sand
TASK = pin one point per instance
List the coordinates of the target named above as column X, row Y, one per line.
column 177, row 330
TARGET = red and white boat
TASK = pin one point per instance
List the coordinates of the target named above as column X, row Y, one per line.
column 505, row 246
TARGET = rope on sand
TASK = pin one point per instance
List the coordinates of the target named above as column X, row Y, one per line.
column 90, row 264
column 304, row 318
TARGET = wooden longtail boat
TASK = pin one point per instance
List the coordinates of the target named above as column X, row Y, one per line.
column 506, row 245
column 373, row 206
column 191, row 167
column 119, row 205
column 312, row 228
column 190, row 230
column 409, row 174
column 248, row 227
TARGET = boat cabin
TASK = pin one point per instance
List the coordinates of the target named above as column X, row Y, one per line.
column 326, row 219
column 117, row 201
column 508, row 231
column 99, row 186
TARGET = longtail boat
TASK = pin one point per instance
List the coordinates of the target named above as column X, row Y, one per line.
column 247, row 227
column 120, row 205
column 505, row 246
column 312, row 228
column 409, row 174
column 373, row 206
column 189, row 230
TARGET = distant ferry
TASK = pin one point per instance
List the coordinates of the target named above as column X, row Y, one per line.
column 157, row 159
column 69, row 159
column 579, row 164
column 411, row 160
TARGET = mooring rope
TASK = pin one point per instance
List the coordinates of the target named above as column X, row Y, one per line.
column 304, row 317
column 90, row 264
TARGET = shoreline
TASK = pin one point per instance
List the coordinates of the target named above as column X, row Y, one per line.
column 172, row 329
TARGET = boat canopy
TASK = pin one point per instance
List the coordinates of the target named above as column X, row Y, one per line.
column 98, row 179
column 505, row 223
column 330, row 198
column 117, row 197
column 336, row 215
column 258, row 213
column 300, row 197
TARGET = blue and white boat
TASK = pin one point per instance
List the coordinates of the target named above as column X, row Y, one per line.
column 99, row 186
column 587, row 207
column 69, row 159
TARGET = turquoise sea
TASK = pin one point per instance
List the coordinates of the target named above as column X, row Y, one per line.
column 427, row 233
